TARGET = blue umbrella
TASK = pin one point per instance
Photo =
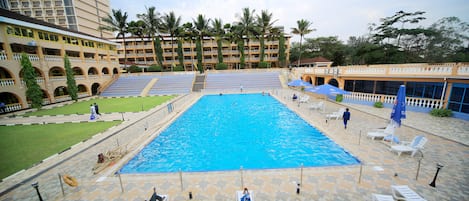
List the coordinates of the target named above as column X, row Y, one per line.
column 326, row 89
column 299, row 83
column 398, row 110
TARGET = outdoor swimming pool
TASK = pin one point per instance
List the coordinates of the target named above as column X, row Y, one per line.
column 226, row 132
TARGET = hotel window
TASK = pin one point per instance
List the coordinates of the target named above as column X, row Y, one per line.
column 49, row 12
column 47, row 4
column 36, row 4
column 38, row 13
column 27, row 13
column 60, row 12
column 459, row 99
column 47, row 36
column 58, row 3
column 14, row 4
column 87, row 43
column 25, row 4
column 70, row 40
column 52, row 20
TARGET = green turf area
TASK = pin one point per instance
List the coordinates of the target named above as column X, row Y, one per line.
column 23, row 146
column 106, row 105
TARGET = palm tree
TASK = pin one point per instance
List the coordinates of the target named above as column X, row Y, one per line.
column 265, row 23
column 201, row 27
column 170, row 25
column 152, row 22
column 117, row 22
column 188, row 33
column 246, row 25
column 218, row 32
column 302, row 29
column 234, row 36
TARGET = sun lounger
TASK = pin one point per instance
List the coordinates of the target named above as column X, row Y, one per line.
column 156, row 197
column 380, row 197
column 405, row 193
column 316, row 106
column 381, row 133
column 336, row 115
column 416, row 144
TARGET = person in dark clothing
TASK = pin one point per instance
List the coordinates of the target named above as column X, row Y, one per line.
column 3, row 107
column 96, row 108
column 346, row 117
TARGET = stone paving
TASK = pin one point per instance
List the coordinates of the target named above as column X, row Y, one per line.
column 379, row 170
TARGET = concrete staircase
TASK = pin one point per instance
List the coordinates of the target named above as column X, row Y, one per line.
column 199, row 83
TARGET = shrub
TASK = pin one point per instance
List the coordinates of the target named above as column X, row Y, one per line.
column 154, row 68
column 134, row 69
column 441, row 112
column 178, row 68
column 221, row 66
column 264, row 64
column 378, row 104
column 339, row 98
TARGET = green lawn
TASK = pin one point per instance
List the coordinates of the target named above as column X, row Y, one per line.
column 23, row 146
column 106, row 105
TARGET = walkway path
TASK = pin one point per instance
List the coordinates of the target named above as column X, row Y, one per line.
column 379, row 171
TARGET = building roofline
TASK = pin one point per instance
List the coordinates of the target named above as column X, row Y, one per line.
column 13, row 18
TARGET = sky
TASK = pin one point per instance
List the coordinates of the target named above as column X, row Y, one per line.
column 342, row 18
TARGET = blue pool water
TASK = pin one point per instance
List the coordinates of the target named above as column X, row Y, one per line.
column 226, row 132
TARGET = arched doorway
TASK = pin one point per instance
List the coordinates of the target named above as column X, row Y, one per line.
column 12, row 102
column 333, row 82
column 94, row 88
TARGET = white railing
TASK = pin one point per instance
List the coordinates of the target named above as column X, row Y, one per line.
column 93, row 76
column 422, row 70
column 74, row 59
column 363, row 70
column 3, row 56
column 79, row 77
column 463, row 70
column 58, row 78
column 62, row 98
column 53, row 58
column 32, row 57
column 39, row 80
column 13, row 107
column 82, row 94
column 410, row 101
column 7, row 82
column 90, row 60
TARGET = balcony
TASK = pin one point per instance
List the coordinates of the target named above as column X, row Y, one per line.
column 7, row 82
column 32, row 57
column 410, row 101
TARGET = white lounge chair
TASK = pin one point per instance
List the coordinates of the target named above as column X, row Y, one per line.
column 381, row 133
column 416, row 144
column 380, row 197
column 405, row 193
column 316, row 106
column 304, row 99
column 336, row 115
column 156, row 197
column 239, row 196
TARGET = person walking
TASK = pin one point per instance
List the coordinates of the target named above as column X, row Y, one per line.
column 346, row 117
column 93, row 112
column 96, row 108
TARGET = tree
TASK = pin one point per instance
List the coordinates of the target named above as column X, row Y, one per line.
column 219, row 32
column 33, row 90
column 170, row 25
column 71, row 84
column 201, row 27
column 282, row 56
column 328, row 47
column 234, row 36
column 117, row 22
column 152, row 21
column 246, row 26
column 188, row 33
column 265, row 24
column 303, row 28
column 448, row 41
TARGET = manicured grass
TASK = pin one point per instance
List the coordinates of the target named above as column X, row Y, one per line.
column 23, row 146
column 106, row 105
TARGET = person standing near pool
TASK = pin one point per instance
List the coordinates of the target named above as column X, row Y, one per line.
column 346, row 117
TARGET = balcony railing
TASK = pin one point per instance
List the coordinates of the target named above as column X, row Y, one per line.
column 7, row 82
column 13, row 107
column 410, row 101
column 55, row 58
column 62, row 98
column 58, row 78
column 32, row 57
column 3, row 56
column 39, row 80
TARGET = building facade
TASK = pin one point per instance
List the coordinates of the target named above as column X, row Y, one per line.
column 83, row 16
column 93, row 60
column 141, row 52
column 427, row 85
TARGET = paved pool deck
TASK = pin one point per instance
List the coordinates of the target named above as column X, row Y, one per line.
column 448, row 145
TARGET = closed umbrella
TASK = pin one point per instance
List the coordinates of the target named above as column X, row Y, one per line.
column 398, row 110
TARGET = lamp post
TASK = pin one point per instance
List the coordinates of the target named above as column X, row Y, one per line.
column 438, row 167
column 36, row 186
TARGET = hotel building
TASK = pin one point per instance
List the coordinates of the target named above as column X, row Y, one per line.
column 428, row 86
column 141, row 52
column 93, row 60
column 83, row 16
